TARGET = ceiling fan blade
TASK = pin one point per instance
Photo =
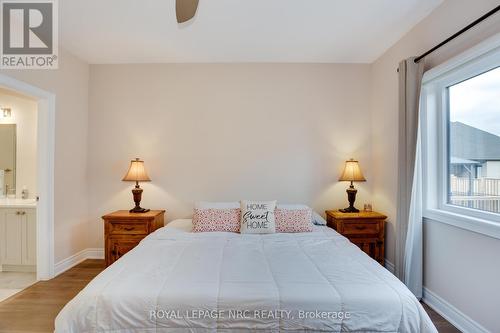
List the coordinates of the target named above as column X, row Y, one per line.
column 185, row 9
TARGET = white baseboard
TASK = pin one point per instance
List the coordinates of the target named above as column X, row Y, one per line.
column 457, row 318
column 389, row 266
column 65, row 264
column 95, row 253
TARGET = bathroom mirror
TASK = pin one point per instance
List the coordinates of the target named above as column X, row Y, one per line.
column 7, row 159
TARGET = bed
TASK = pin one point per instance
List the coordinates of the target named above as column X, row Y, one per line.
column 179, row 281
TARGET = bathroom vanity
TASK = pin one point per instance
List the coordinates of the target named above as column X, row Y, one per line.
column 17, row 175
column 17, row 235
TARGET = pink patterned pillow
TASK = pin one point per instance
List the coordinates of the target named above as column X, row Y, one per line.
column 293, row 220
column 205, row 220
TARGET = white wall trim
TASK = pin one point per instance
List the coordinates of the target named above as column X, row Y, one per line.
column 457, row 318
column 95, row 253
column 90, row 253
column 45, row 172
column 484, row 47
column 389, row 266
column 435, row 147
column 480, row 226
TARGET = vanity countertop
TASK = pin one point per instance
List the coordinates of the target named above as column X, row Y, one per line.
column 17, row 203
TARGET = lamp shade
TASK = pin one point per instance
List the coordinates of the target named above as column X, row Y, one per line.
column 136, row 172
column 352, row 172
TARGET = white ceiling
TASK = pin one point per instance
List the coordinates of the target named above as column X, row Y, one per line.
column 144, row 31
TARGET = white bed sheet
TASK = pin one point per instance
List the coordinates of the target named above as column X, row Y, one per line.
column 178, row 281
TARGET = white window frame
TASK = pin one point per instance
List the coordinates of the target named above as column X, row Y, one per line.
column 434, row 129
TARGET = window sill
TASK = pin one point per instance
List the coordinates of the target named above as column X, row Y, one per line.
column 474, row 224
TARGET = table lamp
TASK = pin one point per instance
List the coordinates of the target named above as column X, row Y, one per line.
column 137, row 173
column 352, row 173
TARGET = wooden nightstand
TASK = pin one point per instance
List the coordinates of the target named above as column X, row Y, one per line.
column 365, row 229
column 124, row 230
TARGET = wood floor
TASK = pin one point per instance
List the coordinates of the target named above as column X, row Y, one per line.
column 35, row 308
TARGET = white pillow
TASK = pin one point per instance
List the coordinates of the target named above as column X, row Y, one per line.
column 257, row 217
column 216, row 205
column 316, row 218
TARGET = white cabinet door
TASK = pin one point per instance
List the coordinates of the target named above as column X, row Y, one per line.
column 12, row 236
column 18, row 236
column 29, row 237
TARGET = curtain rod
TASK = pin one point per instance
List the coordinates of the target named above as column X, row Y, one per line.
column 446, row 41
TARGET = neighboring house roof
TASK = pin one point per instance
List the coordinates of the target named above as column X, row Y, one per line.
column 470, row 143
column 457, row 160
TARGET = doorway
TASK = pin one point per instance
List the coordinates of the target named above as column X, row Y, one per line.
column 44, row 192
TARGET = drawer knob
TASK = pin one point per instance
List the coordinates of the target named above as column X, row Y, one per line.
column 360, row 227
column 129, row 228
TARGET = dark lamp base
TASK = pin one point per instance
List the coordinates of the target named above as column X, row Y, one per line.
column 351, row 197
column 139, row 210
column 137, row 192
column 349, row 210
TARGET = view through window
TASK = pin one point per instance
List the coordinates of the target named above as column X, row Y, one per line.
column 474, row 142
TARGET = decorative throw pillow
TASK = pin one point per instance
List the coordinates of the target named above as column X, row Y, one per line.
column 293, row 220
column 316, row 218
column 227, row 220
column 257, row 217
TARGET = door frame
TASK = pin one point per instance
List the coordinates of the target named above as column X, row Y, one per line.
column 46, row 112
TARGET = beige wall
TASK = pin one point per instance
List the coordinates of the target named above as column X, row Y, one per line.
column 446, row 247
column 24, row 115
column 70, row 84
column 226, row 132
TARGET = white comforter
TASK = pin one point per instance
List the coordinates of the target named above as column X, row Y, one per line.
column 177, row 281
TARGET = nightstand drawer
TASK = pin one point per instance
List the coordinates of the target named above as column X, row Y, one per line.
column 127, row 228
column 361, row 228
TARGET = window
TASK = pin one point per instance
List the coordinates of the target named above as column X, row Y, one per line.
column 460, row 140
column 474, row 142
